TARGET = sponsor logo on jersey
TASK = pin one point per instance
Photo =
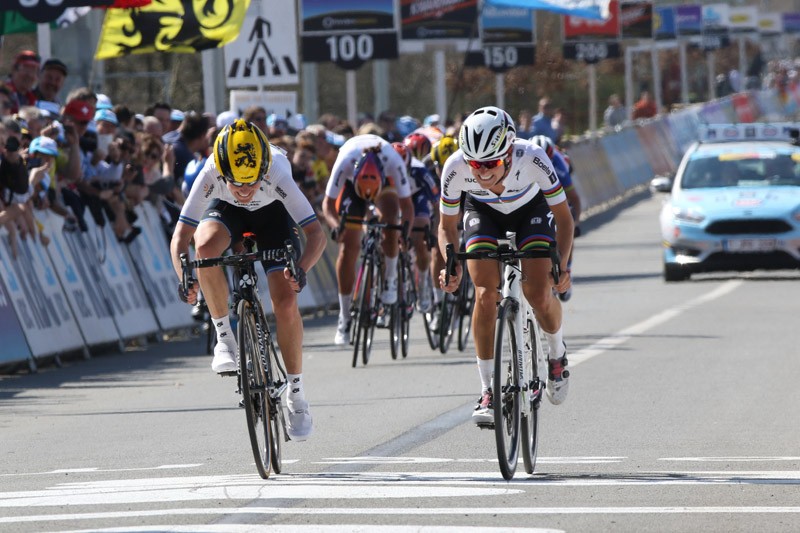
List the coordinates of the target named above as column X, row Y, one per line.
column 536, row 220
column 519, row 152
column 470, row 180
column 448, row 179
column 474, row 222
column 541, row 164
column 208, row 189
column 280, row 192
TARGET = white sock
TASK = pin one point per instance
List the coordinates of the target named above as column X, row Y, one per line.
column 224, row 332
column 556, row 343
column 485, row 369
column 424, row 278
column 344, row 306
column 296, row 398
column 391, row 267
column 437, row 295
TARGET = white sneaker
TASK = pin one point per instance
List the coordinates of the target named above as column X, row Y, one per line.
column 425, row 302
column 224, row 358
column 342, row 333
column 389, row 294
column 300, row 424
column 557, row 380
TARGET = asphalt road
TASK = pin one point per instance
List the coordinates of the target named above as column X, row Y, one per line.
column 682, row 416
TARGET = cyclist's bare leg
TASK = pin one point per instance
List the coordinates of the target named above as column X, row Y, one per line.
column 289, row 323
column 537, row 285
column 211, row 240
column 486, row 278
column 420, row 246
column 389, row 210
column 349, row 249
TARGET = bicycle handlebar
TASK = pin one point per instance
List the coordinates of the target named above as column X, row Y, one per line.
column 503, row 253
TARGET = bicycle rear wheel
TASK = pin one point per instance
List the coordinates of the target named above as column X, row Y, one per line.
column 505, row 391
column 530, row 422
column 254, row 392
column 395, row 328
column 409, row 302
column 370, row 316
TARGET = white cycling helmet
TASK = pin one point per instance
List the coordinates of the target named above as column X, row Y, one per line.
column 487, row 134
column 545, row 143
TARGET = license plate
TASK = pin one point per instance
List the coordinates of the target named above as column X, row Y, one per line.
column 749, row 245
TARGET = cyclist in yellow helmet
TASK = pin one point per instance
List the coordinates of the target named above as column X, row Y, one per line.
column 248, row 187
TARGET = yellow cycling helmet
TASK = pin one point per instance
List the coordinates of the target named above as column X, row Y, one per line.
column 442, row 149
column 242, row 152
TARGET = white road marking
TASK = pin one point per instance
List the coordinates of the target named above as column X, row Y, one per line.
column 288, row 528
column 753, row 459
column 96, row 470
column 395, row 511
column 623, row 336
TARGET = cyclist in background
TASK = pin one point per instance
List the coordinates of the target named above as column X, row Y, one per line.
column 510, row 186
column 564, row 172
column 247, row 186
column 440, row 152
column 424, row 194
column 367, row 171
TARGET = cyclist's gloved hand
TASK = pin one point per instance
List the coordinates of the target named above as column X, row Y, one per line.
column 577, row 232
column 300, row 277
column 183, row 293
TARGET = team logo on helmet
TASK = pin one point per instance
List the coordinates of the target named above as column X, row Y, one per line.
column 245, row 155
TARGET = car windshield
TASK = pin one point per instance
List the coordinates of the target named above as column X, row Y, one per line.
column 742, row 170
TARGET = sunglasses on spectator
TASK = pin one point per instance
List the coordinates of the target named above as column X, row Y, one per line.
column 154, row 155
column 240, row 184
column 494, row 163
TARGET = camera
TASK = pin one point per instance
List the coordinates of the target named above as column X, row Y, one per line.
column 12, row 144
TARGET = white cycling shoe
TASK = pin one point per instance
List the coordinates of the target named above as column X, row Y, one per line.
column 224, row 358
column 342, row 336
column 389, row 294
column 300, row 424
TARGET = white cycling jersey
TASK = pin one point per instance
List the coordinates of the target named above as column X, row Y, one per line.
column 277, row 186
column 350, row 153
column 531, row 171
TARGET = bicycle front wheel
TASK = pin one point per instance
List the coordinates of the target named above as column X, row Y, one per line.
column 447, row 321
column 362, row 307
column 370, row 312
column 530, row 421
column 254, row 390
column 275, row 385
column 506, row 391
column 408, row 303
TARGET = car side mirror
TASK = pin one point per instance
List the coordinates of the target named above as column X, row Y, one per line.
column 661, row 184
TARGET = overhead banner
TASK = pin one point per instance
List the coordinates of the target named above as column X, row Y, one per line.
column 591, row 9
column 508, row 36
column 423, row 20
column 583, row 29
column 265, row 53
column 348, row 32
column 770, row 24
column 636, row 20
column 689, row 20
column 664, row 23
column 743, row 19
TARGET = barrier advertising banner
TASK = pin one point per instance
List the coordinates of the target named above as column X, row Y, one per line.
column 664, row 23
column 150, row 254
column 78, row 282
column 636, row 20
column 689, row 20
column 14, row 347
column 38, row 300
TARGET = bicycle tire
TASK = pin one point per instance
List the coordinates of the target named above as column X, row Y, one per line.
column 447, row 321
column 254, row 393
column 530, row 423
column 409, row 303
column 369, row 321
column 277, row 421
column 395, row 325
column 466, row 302
column 361, row 299
column 505, row 391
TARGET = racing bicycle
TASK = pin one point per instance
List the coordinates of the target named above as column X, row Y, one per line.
column 520, row 358
column 261, row 374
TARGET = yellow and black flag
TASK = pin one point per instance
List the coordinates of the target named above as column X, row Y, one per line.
column 184, row 26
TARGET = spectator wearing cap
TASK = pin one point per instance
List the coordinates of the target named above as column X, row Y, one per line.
column 51, row 80
column 176, row 116
column 42, row 154
column 106, row 123
column 278, row 125
column 258, row 116
column 24, row 75
column 226, row 118
column 76, row 116
column 104, row 102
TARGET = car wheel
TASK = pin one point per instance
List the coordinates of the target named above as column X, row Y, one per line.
column 673, row 272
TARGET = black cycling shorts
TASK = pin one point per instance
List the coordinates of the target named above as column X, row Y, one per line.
column 532, row 223
column 272, row 225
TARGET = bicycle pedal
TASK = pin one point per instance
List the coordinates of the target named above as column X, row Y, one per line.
column 486, row 426
column 227, row 374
